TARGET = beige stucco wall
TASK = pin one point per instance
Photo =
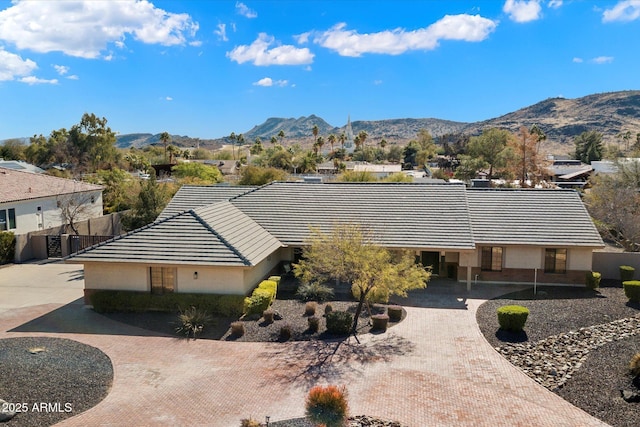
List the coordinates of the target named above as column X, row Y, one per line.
column 213, row 280
column 522, row 257
column 254, row 275
column 579, row 259
column 116, row 276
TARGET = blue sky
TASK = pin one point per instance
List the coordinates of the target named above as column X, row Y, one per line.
column 209, row 68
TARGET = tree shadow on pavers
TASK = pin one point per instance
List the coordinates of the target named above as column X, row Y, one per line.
column 307, row 363
column 75, row 318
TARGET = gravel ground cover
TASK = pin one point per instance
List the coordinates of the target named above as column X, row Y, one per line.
column 595, row 386
column 291, row 310
column 51, row 378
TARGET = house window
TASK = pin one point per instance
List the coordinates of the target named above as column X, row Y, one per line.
column 555, row 260
column 163, row 280
column 492, row 258
column 7, row 219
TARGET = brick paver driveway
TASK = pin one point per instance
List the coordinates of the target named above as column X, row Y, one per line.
column 433, row 369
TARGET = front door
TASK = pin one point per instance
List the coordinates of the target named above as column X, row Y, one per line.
column 431, row 260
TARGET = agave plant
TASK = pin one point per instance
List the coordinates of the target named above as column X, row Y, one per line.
column 192, row 321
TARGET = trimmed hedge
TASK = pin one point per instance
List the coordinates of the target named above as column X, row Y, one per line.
column 339, row 322
column 7, row 247
column 593, row 279
column 512, row 317
column 632, row 290
column 261, row 298
column 130, row 301
column 626, row 273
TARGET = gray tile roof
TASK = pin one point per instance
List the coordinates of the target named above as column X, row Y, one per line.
column 218, row 234
column 193, row 196
column 399, row 215
column 531, row 217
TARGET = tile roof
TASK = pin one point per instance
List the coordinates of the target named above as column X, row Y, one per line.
column 18, row 185
column 193, row 196
column 531, row 217
column 399, row 215
column 217, row 234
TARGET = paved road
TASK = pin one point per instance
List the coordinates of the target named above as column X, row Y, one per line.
column 433, row 369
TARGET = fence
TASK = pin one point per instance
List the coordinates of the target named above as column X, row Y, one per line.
column 608, row 263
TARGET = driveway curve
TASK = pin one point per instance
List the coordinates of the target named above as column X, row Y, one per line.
column 433, row 369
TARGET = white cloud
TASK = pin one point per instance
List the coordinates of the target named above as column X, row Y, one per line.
column 221, row 32
column 12, row 66
column 61, row 69
column 302, row 38
column 602, row 60
column 259, row 53
column 73, row 77
column 168, row 98
column 268, row 82
column 377, row 82
column 627, row 10
column 471, row 28
column 578, row 60
column 555, row 4
column 243, row 10
column 85, row 28
column 32, row 80
column 522, row 10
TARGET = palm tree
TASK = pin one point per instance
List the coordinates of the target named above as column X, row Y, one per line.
column 173, row 151
column 274, row 140
column 165, row 138
column 233, row 139
column 332, row 140
column 281, row 136
column 342, row 138
column 315, row 131
column 320, row 142
column 357, row 141
column 363, row 137
column 383, row 143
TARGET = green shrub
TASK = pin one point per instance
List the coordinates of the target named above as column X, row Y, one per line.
column 269, row 285
column 376, row 295
column 339, row 322
column 7, row 247
column 268, row 315
column 258, row 302
column 632, row 290
column 380, row 322
column 310, row 308
column 395, row 313
column 593, row 279
column 512, row 317
column 275, row 279
column 634, row 364
column 327, row 405
column 626, row 273
column 314, row 323
column 249, row 422
column 130, row 301
column 314, row 292
column 192, row 322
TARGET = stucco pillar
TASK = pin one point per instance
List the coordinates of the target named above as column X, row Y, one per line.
column 468, row 277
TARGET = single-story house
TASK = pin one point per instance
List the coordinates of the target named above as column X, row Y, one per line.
column 33, row 201
column 229, row 245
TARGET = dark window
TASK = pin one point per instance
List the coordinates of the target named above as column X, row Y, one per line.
column 12, row 219
column 555, row 260
column 163, row 280
column 492, row 258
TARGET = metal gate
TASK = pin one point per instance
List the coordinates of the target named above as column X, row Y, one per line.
column 54, row 247
column 80, row 242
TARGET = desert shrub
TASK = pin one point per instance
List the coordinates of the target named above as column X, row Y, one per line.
column 376, row 295
column 258, row 302
column 7, row 247
column 327, row 405
column 275, row 279
column 310, row 308
column 131, row 301
column 395, row 313
column 634, row 364
column 249, row 422
column 285, row 332
column 237, row 329
column 593, row 279
column 339, row 322
column 192, row 321
column 632, row 290
column 267, row 315
column 314, row 323
column 626, row 273
column 269, row 285
column 328, row 309
column 512, row 317
column 380, row 322
column 314, row 292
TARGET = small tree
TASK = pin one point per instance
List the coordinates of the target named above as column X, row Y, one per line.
column 74, row 207
column 152, row 199
column 349, row 255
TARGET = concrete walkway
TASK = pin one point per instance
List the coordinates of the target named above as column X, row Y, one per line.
column 433, row 369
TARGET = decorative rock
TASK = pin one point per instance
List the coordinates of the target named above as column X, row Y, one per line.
column 5, row 415
column 552, row 361
column 630, row 395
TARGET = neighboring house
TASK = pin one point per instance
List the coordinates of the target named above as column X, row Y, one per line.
column 20, row 166
column 230, row 245
column 568, row 173
column 226, row 167
column 32, row 202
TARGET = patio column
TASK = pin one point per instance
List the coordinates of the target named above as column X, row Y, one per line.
column 468, row 277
